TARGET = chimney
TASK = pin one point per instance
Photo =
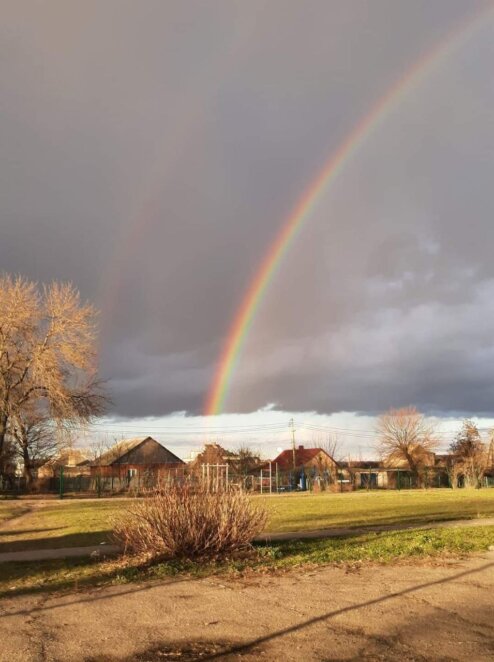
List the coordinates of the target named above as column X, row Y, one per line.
column 301, row 448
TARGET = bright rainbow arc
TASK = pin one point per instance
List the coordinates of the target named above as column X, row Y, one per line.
column 246, row 313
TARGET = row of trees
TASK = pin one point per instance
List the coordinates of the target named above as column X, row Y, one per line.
column 48, row 376
column 406, row 436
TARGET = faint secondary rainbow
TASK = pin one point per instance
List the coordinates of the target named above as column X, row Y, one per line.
column 246, row 313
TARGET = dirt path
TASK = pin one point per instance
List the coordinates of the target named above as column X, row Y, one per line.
column 11, row 522
column 60, row 553
column 406, row 612
column 335, row 532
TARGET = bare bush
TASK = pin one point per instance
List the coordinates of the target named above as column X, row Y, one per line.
column 189, row 522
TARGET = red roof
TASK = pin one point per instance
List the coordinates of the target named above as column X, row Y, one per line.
column 302, row 457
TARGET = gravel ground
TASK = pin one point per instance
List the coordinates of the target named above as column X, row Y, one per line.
column 410, row 612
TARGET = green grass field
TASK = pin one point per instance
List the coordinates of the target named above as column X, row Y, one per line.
column 55, row 524
column 72, row 523
column 62, row 524
column 298, row 512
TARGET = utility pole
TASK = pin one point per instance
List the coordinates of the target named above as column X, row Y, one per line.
column 291, row 425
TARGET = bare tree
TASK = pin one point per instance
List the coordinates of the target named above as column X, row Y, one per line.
column 102, row 444
column 490, row 451
column 469, row 454
column 329, row 444
column 246, row 459
column 34, row 438
column 47, row 355
column 453, row 471
column 404, row 435
column 7, row 464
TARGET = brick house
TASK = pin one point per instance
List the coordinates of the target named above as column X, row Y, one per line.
column 306, row 467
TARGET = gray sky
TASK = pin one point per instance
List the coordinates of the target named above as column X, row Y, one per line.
column 151, row 152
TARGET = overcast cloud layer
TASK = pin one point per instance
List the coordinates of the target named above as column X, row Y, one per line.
column 151, row 151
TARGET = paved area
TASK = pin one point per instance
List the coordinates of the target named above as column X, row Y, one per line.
column 397, row 612
column 61, row 553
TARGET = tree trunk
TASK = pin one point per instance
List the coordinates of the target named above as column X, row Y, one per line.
column 3, row 432
column 28, row 470
column 414, row 469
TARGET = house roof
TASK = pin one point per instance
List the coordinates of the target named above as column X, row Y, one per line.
column 118, row 450
column 117, row 454
column 302, row 457
column 71, row 457
column 360, row 464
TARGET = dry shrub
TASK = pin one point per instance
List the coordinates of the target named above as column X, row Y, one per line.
column 189, row 522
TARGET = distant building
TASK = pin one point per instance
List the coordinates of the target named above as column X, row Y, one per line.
column 304, row 468
column 305, row 458
column 143, row 457
column 213, row 454
column 73, row 460
column 364, row 474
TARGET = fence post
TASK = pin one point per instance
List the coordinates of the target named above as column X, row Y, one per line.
column 61, row 482
column 270, row 478
column 261, row 481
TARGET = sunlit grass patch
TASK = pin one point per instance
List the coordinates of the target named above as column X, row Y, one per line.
column 388, row 547
column 62, row 524
column 382, row 547
column 82, row 522
column 10, row 509
column 300, row 512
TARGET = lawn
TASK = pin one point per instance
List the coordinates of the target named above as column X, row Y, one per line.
column 10, row 509
column 61, row 524
column 81, row 522
column 298, row 512
column 84, row 522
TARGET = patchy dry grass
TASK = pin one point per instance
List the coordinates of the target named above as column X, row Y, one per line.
column 74, row 574
column 10, row 509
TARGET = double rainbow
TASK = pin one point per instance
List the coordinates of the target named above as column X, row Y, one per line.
column 246, row 313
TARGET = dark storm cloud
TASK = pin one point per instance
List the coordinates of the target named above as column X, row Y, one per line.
column 151, row 151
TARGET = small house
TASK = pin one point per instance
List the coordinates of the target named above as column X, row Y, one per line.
column 305, row 467
column 143, row 461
